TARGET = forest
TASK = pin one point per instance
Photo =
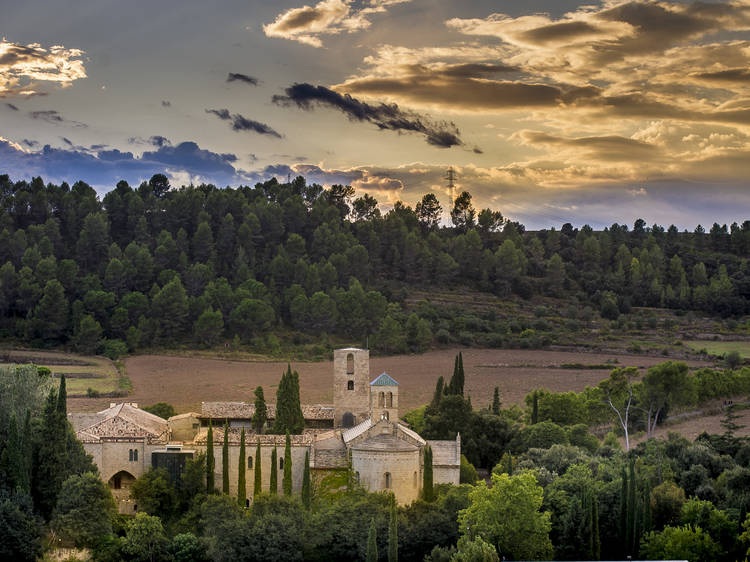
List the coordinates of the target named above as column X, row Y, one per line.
column 292, row 263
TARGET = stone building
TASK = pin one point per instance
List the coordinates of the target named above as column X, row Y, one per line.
column 361, row 430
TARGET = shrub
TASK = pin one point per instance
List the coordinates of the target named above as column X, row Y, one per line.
column 114, row 348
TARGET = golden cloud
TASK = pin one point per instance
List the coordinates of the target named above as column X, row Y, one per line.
column 24, row 67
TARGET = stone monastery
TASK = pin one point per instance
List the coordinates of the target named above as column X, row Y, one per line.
column 362, row 427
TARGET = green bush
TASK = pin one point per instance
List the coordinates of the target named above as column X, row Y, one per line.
column 114, row 348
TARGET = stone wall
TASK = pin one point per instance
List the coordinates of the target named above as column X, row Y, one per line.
column 357, row 400
column 403, row 466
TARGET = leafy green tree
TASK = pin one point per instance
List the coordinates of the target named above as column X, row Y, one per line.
column 372, row 542
column 289, row 416
column 13, row 468
column 667, row 500
column 170, row 311
column 225, row 461
column 496, row 402
column 145, row 540
column 161, row 409
column 508, row 516
column 251, row 317
column 257, row 482
column 154, row 493
column 467, row 472
column 463, row 213
column 186, row 547
column 88, row 337
column 51, row 314
column 20, row 529
column 619, row 391
column 680, row 543
column 260, row 416
column 84, row 511
column 209, row 327
column 475, row 550
column 287, row 480
column 663, row 386
column 274, row 485
column 393, row 532
column 242, row 472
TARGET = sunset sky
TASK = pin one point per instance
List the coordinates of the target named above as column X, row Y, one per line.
column 550, row 111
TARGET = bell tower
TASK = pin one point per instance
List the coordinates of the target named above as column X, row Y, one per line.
column 351, row 393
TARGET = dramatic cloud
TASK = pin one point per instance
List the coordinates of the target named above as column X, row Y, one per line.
column 105, row 167
column 328, row 17
column 240, row 123
column 236, row 76
column 385, row 116
column 23, row 68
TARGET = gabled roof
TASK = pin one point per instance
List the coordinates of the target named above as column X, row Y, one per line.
column 384, row 379
column 125, row 420
column 356, row 431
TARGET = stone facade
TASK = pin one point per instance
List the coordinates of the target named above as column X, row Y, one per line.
column 385, row 454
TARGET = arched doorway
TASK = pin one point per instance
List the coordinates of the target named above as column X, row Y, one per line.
column 347, row 420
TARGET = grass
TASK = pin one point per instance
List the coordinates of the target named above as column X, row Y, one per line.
column 719, row 348
column 81, row 372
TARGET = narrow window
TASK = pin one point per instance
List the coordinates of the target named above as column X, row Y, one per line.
column 130, row 455
column 281, row 464
column 415, row 478
column 247, row 503
column 350, row 364
column 249, row 463
column 390, row 400
column 116, row 482
column 350, row 385
column 135, row 507
column 381, row 399
column 356, row 477
column 387, row 480
column 135, row 455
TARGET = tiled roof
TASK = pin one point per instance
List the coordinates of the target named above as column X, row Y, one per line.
column 356, row 431
column 82, row 420
column 185, row 415
column 124, row 420
column 384, row 379
column 385, row 442
column 245, row 410
column 235, row 433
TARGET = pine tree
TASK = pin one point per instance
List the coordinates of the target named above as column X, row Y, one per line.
column 393, row 532
column 288, row 410
column 225, row 461
column 287, row 481
column 210, row 462
column 260, row 417
column 306, row 484
column 428, row 490
column 496, row 402
column 241, row 472
column 274, row 486
column 258, row 483
column 372, row 542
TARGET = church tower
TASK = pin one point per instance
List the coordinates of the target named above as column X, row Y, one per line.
column 384, row 398
column 351, row 392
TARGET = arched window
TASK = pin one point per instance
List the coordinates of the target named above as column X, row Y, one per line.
column 381, row 399
column 350, row 385
column 249, row 463
column 347, row 420
column 350, row 364
column 130, row 455
column 281, row 464
column 135, row 455
column 390, row 400
column 387, row 480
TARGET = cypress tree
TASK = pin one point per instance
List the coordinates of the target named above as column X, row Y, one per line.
column 428, row 490
column 372, row 542
column 210, row 462
column 597, row 546
column 225, row 461
column 288, row 410
column 496, row 402
column 241, row 470
column 393, row 532
column 257, row 484
column 306, row 485
column 535, row 408
column 460, row 379
column 12, row 460
column 49, row 471
column 624, row 511
column 439, row 391
column 631, row 522
column 451, row 389
column 287, row 481
column 260, row 417
column 274, row 486
column 62, row 398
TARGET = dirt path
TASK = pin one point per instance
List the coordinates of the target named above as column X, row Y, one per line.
column 185, row 381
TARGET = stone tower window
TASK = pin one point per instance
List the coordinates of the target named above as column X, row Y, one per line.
column 387, row 480
column 381, row 399
column 350, row 364
column 281, row 464
column 390, row 400
column 135, row 455
column 350, row 385
column 249, row 463
column 130, row 455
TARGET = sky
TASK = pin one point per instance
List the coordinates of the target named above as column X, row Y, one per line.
column 549, row 111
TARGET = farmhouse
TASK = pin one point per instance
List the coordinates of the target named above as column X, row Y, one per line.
column 361, row 429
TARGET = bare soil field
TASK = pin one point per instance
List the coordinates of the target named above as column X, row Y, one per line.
column 692, row 427
column 186, row 381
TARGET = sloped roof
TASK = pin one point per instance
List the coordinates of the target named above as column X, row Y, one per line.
column 246, row 410
column 384, row 379
column 124, row 420
column 234, row 436
column 385, row 442
column 82, row 420
column 445, row 453
column 411, row 433
column 356, row 431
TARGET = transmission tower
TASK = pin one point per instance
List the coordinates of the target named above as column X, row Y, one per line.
column 450, row 176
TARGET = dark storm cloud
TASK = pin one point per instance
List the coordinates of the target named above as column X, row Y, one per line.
column 385, row 116
column 729, row 76
column 11, row 106
column 104, row 168
column 241, row 123
column 236, row 76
